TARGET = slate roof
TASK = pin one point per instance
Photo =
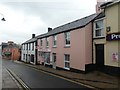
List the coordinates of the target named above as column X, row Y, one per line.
column 66, row 27
column 70, row 26
column 109, row 3
column 30, row 40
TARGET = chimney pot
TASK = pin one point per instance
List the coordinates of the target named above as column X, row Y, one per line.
column 33, row 35
column 49, row 29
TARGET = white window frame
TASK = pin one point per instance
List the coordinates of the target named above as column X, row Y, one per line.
column 33, row 46
column 54, row 40
column 67, row 37
column 29, row 46
column 66, row 61
column 101, row 28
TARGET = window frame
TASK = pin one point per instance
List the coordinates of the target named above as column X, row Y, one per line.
column 32, row 46
column 54, row 40
column 41, row 42
column 101, row 29
column 67, row 37
column 47, row 42
column 66, row 61
column 29, row 46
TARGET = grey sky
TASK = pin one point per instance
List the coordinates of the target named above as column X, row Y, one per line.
column 24, row 17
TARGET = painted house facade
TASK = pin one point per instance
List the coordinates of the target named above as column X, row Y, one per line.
column 28, row 51
column 106, row 38
column 68, row 46
column 11, row 51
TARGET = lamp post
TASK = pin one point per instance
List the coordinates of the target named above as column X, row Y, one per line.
column 3, row 19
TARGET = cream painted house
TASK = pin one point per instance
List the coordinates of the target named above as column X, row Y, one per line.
column 106, row 38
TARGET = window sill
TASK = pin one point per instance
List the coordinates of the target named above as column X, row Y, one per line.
column 66, row 68
column 67, row 46
column 54, row 46
column 100, row 37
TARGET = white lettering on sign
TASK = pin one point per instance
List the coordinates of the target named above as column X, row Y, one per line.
column 114, row 36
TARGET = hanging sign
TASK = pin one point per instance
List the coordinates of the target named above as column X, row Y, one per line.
column 113, row 36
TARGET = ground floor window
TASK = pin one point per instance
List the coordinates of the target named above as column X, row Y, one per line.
column 24, row 56
column 45, row 56
column 67, row 61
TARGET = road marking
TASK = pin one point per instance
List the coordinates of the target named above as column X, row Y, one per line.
column 63, row 78
column 19, row 86
column 25, row 87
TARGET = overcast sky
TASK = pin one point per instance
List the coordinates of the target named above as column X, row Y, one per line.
column 25, row 17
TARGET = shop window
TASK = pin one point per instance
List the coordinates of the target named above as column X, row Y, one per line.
column 47, row 58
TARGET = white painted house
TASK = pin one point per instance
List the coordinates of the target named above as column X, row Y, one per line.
column 28, row 51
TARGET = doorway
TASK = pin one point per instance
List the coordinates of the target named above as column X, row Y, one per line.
column 54, row 60
column 99, row 56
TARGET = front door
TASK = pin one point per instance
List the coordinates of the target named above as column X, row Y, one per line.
column 54, row 60
column 100, row 56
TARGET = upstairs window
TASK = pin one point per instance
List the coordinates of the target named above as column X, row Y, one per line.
column 29, row 46
column 41, row 42
column 54, row 41
column 99, row 28
column 26, row 46
column 67, row 39
column 47, row 42
column 23, row 46
column 32, row 46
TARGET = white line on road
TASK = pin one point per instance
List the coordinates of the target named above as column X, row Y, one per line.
column 18, row 79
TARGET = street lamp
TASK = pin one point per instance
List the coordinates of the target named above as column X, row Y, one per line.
column 3, row 19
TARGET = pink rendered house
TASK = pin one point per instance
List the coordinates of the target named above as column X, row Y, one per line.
column 68, row 46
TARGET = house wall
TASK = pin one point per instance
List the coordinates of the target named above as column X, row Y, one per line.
column 112, row 20
column 15, row 54
column 28, row 52
column 88, row 43
column 80, row 48
column 98, row 40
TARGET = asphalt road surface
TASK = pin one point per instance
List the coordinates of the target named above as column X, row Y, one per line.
column 36, row 79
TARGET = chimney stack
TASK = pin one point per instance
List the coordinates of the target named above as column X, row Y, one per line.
column 49, row 29
column 33, row 35
column 98, row 8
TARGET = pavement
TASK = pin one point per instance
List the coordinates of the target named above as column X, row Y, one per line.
column 8, row 82
column 96, row 79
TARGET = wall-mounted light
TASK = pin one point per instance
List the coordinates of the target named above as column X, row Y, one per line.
column 3, row 19
column 108, row 29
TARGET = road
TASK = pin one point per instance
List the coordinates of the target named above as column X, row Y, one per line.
column 36, row 79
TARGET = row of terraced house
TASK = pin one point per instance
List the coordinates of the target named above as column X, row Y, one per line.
column 89, row 43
